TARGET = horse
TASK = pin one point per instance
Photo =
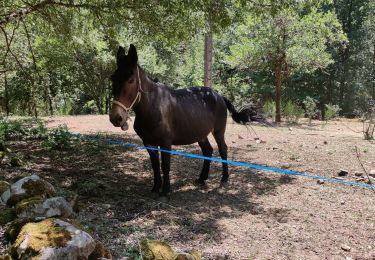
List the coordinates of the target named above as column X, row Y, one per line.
column 166, row 117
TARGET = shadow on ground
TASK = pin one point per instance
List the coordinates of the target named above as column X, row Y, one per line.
column 113, row 185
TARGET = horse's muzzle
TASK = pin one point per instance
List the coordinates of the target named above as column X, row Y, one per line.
column 119, row 119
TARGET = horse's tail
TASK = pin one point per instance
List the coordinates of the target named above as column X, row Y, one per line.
column 241, row 117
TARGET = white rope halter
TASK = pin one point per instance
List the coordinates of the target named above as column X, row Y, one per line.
column 137, row 97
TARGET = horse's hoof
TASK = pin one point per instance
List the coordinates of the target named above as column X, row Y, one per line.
column 224, row 184
column 200, row 183
column 163, row 199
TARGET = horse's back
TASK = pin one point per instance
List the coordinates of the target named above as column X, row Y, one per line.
column 195, row 113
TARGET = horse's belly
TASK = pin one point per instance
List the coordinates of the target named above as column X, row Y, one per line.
column 191, row 135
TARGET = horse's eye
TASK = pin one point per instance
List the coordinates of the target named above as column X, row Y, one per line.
column 131, row 81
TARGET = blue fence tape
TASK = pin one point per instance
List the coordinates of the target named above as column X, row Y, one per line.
column 242, row 164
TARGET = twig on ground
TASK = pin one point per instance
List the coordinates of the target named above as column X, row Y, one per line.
column 359, row 160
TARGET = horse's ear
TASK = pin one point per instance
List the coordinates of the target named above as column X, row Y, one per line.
column 120, row 54
column 132, row 55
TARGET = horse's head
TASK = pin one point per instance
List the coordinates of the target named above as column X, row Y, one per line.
column 125, row 84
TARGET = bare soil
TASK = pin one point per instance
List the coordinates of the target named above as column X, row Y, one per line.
column 261, row 215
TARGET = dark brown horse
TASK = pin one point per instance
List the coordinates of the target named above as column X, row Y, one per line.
column 166, row 117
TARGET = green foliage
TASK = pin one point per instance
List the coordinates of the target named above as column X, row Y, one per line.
column 292, row 112
column 310, row 107
column 269, row 109
column 331, row 111
column 59, row 138
column 22, row 129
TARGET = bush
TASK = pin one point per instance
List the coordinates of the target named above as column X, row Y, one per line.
column 310, row 107
column 59, row 138
column 22, row 129
column 331, row 111
column 292, row 112
column 269, row 109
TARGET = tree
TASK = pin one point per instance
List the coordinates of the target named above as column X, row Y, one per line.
column 291, row 40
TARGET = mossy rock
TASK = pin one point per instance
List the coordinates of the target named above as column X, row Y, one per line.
column 194, row 255
column 5, row 257
column 4, row 186
column 7, row 215
column 14, row 228
column 52, row 239
column 100, row 252
column 28, row 187
column 39, row 236
column 156, row 250
column 2, row 155
column 28, row 204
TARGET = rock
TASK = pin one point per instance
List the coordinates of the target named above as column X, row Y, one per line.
column 320, row 181
column 7, row 215
column 360, row 179
column 153, row 249
column 4, row 186
column 26, row 188
column 36, row 208
column 343, row 173
column 372, row 173
column 16, row 162
column 258, row 141
column 345, row 247
column 100, row 252
column 53, row 239
column 325, row 142
column 358, row 174
column 240, row 137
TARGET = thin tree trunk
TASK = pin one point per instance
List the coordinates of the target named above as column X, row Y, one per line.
column 373, row 74
column 49, row 95
column 208, row 48
column 278, row 82
column 6, row 94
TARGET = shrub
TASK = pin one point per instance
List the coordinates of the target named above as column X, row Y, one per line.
column 269, row 109
column 331, row 111
column 292, row 112
column 310, row 107
column 59, row 138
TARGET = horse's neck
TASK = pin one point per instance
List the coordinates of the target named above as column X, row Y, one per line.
column 147, row 89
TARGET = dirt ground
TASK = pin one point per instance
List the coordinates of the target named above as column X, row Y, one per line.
column 261, row 215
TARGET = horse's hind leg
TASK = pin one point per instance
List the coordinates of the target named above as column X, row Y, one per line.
column 223, row 150
column 207, row 151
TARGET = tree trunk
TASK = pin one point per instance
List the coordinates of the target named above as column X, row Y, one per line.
column 49, row 95
column 373, row 74
column 6, row 94
column 278, row 82
column 208, row 48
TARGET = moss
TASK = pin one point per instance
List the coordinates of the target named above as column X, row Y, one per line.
column 100, row 252
column 3, row 185
column 156, row 250
column 38, row 187
column 27, row 204
column 14, row 229
column 7, row 215
column 41, row 235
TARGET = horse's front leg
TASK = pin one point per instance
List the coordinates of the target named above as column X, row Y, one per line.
column 155, row 162
column 166, row 166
